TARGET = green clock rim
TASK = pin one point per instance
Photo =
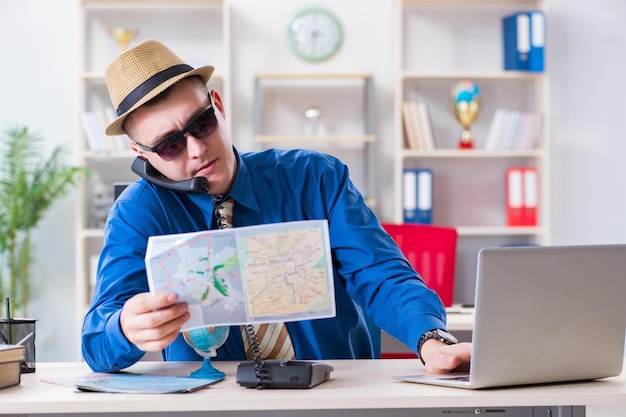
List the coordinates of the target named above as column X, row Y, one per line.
column 335, row 46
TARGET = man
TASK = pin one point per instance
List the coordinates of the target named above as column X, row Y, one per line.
column 177, row 125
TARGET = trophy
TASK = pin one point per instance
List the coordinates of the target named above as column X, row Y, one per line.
column 465, row 103
column 313, row 126
column 122, row 36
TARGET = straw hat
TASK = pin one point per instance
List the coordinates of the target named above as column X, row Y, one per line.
column 140, row 74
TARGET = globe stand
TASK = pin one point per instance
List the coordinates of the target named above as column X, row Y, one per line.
column 207, row 370
column 205, row 341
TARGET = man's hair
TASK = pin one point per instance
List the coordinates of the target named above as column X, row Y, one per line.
column 195, row 79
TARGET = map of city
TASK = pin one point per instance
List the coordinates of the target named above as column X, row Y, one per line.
column 254, row 274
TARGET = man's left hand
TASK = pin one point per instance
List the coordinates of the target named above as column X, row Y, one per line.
column 441, row 358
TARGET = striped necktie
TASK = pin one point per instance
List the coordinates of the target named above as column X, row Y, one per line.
column 273, row 338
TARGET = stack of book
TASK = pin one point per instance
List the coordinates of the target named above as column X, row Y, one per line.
column 94, row 123
column 513, row 130
column 418, row 129
column 11, row 358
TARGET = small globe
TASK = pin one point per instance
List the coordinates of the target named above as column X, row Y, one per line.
column 206, row 340
column 465, row 91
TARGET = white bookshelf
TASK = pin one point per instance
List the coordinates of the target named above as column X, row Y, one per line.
column 198, row 31
column 469, row 185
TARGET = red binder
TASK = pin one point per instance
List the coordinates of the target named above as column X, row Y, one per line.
column 522, row 196
column 531, row 196
column 514, row 197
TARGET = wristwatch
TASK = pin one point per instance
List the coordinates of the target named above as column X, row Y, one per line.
column 438, row 334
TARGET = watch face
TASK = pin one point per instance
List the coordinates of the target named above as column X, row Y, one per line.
column 314, row 34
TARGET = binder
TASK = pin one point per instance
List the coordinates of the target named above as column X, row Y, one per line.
column 417, row 198
column 531, row 196
column 537, row 41
column 516, row 41
column 522, row 196
column 514, row 197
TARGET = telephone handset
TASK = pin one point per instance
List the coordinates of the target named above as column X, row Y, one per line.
column 143, row 168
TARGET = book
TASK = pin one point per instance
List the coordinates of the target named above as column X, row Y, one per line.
column 11, row 358
column 418, row 129
column 513, row 130
column 11, row 353
column 424, row 125
column 91, row 127
column 411, row 132
column 122, row 142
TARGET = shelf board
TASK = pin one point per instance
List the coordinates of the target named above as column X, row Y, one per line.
column 475, row 153
column 317, row 139
column 499, row 231
column 91, row 233
column 150, row 3
column 474, row 75
column 110, row 155
column 474, row 2
column 314, row 76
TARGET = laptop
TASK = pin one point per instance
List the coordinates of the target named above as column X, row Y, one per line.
column 544, row 314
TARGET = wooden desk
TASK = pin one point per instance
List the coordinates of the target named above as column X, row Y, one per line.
column 359, row 385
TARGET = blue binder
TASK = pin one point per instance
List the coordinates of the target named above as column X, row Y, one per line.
column 516, row 41
column 537, row 41
column 417, row 195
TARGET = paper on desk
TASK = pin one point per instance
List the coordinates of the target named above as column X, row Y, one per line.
column 126, row 383
column 254, row 274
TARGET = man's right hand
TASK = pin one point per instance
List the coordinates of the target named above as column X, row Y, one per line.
column 153, row 321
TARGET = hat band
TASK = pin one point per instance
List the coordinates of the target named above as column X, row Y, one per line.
column 145, row 87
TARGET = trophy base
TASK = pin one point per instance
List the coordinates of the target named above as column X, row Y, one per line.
column 467, row 140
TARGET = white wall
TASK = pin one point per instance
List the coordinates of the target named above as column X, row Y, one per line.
column 586, row 59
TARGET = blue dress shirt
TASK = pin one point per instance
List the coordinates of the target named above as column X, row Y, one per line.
column 371, row 274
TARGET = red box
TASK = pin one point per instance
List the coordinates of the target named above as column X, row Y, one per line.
column 431, row 250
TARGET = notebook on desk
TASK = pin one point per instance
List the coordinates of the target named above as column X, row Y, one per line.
column 544, row 315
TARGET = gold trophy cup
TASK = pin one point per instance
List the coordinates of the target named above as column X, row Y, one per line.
column 465, row 103
column 123, row 36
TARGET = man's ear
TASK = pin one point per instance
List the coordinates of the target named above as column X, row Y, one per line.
column 217, row 101
column 137, row 149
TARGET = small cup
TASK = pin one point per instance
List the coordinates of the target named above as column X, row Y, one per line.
column 13, row 331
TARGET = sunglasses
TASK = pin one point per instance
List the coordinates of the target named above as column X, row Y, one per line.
column 172, row 146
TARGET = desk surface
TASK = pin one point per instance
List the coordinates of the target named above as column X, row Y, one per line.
column 354, row 384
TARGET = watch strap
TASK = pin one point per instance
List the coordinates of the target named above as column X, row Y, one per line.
column 438, row 334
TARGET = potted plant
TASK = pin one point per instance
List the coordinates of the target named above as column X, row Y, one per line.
column 29, row 185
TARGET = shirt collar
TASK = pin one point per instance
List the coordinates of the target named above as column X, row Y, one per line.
column 242, row 190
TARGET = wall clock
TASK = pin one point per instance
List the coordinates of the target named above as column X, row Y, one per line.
column 315, row 34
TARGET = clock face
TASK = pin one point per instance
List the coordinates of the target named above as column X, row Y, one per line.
column 315, row 34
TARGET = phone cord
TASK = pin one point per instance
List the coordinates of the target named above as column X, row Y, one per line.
column 260, row 370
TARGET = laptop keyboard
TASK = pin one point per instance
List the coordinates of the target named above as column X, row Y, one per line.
column 464, row 378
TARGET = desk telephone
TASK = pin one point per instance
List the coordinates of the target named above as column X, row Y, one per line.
column 258, row 373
